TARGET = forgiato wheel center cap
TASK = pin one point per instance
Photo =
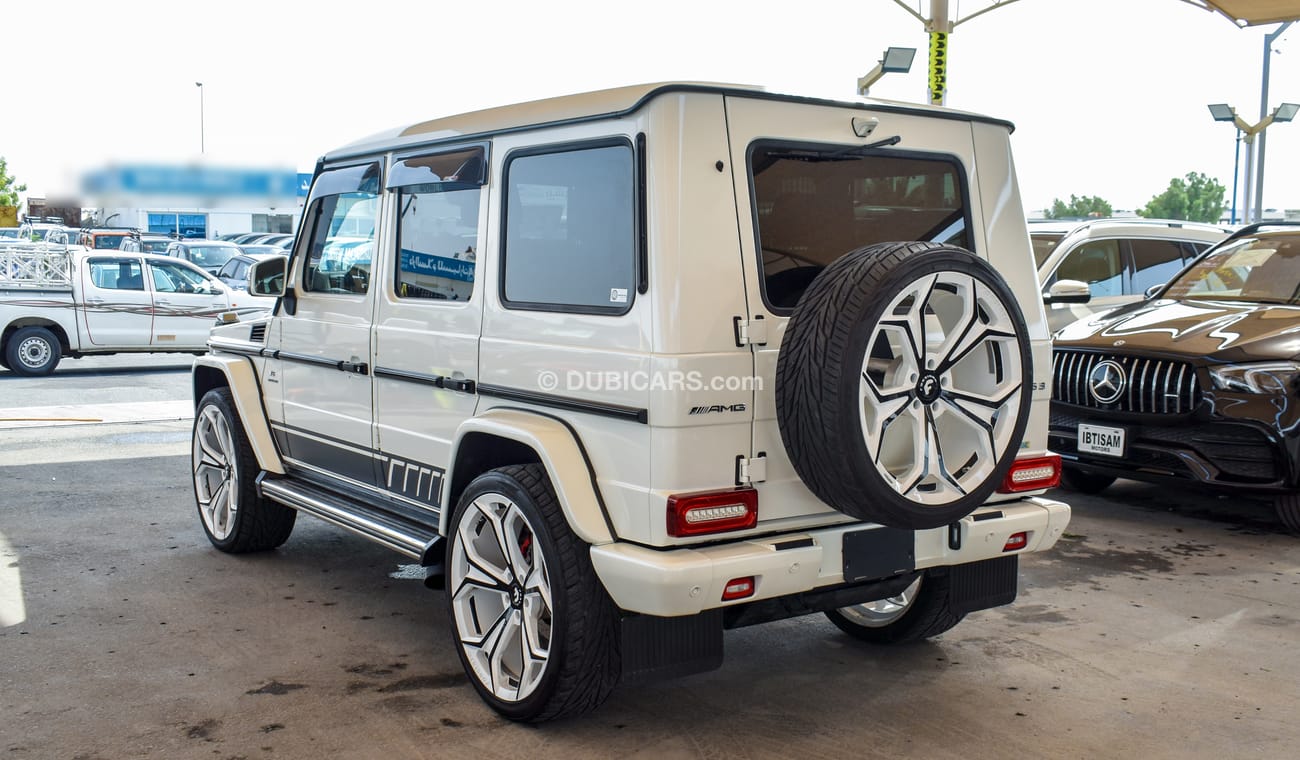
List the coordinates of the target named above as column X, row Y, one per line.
column 928, row 388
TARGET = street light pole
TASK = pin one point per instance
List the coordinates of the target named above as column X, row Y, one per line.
column 201, row 145
column 1263, row 109
column 1224, row 112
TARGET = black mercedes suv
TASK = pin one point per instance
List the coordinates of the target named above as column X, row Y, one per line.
column 1198, row 384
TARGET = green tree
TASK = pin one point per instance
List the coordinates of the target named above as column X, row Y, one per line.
column 1079, row 208
column 8, row 189
column 1196, row 198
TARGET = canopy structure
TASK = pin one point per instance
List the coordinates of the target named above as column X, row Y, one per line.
column 1253, row 12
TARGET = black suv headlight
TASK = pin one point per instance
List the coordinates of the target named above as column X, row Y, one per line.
column 1264, row 377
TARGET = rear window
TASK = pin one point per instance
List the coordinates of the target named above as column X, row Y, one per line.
column 813, row 204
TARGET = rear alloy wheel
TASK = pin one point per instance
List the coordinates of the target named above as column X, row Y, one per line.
column 1085, row 482
column 918, row 612
column 534, row 628
column 1288, row 511
column 902, row 384
column 235, row 517
column 33, row 351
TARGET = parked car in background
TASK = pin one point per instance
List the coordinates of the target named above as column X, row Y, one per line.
column 36, row 231
column 1117, row 260
column 1197, row 385
column 9, row 233
column 264, row 249
column 210, row 255
column 247, row 237
column 107, row 239
column 147, row 243
column 235, row 271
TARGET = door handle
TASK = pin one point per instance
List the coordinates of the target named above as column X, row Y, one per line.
column 94, row 300
column 162, row 301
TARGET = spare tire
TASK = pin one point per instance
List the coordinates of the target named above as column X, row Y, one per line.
column 902, row 384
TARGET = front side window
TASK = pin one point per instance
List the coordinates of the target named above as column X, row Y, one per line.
column 1154, row 262
column 437, row 227
column 1096, row 263
column 344, row 208
column 570, row 237
column 173, row 277
column 116, row 274
column 813, row 204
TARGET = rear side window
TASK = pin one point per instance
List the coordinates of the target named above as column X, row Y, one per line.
column 570, row 230
column 1155, row 262
column 116, row 274
column 343, row 208
column 813, row 204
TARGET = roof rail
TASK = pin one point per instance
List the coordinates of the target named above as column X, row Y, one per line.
column 1257, row 226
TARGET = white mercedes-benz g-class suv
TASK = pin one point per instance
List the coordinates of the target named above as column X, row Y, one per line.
column 626, row 369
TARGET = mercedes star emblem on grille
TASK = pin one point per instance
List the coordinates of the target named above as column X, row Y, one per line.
column 1106, row 381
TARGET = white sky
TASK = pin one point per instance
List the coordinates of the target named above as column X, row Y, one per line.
column 1108, row 96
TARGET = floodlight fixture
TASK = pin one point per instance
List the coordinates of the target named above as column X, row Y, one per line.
column 897, row 60
column 894, row 60
column 1222, row 111
column 1285, row 112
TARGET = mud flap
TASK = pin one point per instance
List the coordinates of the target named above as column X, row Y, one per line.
column 656, row 648
column 981, row 585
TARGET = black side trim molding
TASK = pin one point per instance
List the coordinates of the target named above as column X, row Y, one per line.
column 360, row 368
column 616, row 411
column 437, row 381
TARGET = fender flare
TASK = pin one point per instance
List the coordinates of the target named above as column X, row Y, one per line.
column 241, row 377
column 560, row 451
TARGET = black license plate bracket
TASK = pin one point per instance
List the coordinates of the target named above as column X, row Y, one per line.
column 878, row 553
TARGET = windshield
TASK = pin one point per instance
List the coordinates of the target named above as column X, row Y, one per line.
column 211, row 255
column 112, row 242
column 1260, row 270
column 1044, row 244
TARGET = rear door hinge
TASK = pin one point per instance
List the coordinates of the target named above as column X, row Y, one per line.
column 750, row 331
column 751, row 470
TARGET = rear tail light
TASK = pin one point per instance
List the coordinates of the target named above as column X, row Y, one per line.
column 695, row 514
column 1016, row 541
column 1033, row 474
column 738, row 588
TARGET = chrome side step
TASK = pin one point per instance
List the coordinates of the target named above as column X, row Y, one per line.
column 405, row 536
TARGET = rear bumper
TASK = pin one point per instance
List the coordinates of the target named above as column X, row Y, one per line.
column 688, row 581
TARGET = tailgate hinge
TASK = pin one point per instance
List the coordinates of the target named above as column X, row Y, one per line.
column 750, row 331
column 751, row 470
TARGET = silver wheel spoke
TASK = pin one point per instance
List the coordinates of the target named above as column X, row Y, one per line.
column 216, row 483
column 883, row 612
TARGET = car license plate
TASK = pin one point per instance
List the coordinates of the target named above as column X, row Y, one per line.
column 1096, row 439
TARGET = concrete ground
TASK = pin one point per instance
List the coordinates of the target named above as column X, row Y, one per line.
column 1163, row 626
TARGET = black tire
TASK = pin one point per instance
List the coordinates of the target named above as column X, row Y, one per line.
column 582, row 665
column 33, row 352
column 820, row 381
column 257, row 524
column 1075, row 479
column 1288, row 511
column 928, row 614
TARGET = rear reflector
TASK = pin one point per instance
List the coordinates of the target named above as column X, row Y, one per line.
column 694, row 514
column 738, row 588
column 1016, row 541
column 1033, row 474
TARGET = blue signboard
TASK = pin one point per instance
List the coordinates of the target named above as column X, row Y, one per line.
column 436, row 266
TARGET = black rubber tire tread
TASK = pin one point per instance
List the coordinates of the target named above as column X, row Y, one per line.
column 1085, row 482
column 586, row 667
column 11, row 351
column 260, row 524
column 929, row 616
column 818, row 372
column 1287, row 507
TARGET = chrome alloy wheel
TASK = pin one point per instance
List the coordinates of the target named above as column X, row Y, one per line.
column 882, row 612
column 216, row 479
column 940, row 388
column 35, row 352
column 501, row 597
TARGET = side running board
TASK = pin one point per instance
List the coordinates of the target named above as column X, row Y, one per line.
column 405, row 536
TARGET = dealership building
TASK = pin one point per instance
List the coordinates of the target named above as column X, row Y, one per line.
column 194, row 201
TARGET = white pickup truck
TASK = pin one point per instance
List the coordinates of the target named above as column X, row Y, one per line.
column 58, row 300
